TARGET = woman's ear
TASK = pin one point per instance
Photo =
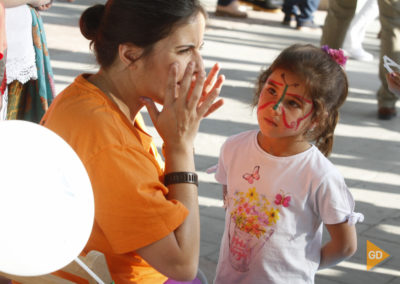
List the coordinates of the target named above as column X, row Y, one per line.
column 129, row 53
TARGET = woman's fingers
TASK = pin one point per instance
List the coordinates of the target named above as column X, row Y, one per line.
column 207, row 106
column 208, row 84
column 196, row 91
column 171, row 92
column 186, row 83
column 214, row 107
column 151, row 109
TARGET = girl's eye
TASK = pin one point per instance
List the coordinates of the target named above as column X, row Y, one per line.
column 294, row 104
column 271, row 91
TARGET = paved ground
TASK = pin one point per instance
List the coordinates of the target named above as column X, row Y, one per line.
column 366, row 151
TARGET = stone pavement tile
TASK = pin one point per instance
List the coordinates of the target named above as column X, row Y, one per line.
column 211, row 229
column 374, row 214
column 319, row 279
column 395, row 280
column 208, row 267
column 350, row 275
column 386, row 230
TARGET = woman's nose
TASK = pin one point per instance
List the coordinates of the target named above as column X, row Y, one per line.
column 199, row 64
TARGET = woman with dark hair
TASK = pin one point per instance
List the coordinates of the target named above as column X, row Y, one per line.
column 146, row 215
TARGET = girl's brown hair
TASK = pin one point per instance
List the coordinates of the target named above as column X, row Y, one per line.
column 325, row 81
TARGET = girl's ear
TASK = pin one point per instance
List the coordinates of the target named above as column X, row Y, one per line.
column 129, row 53
column 314, row 124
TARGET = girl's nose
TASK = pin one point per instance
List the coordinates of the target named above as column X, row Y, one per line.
column 277, row 108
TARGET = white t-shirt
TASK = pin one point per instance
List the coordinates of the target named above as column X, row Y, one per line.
column 276, row 207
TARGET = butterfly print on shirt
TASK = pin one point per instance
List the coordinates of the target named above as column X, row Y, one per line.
column 282, row 199
column 253, row 176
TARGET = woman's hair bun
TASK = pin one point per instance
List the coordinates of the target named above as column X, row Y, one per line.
column 90, row 21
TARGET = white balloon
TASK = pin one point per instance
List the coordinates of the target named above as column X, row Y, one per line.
column 46, row 200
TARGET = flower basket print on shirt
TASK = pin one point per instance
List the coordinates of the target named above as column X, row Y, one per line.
column 253, row 220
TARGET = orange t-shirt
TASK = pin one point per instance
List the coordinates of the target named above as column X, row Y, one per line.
column 131, row 210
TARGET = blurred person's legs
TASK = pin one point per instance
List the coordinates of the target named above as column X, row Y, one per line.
column 356, row 32
column 289, row 9
column 229, row 8
column 389, row 16
column 306, row 17
column 337, row 21
column 262, row 5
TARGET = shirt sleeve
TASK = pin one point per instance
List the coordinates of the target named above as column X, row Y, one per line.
column 130, row 203
column 334, row 202
column 221, row 175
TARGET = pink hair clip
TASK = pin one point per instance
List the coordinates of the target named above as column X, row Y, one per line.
column 336, row 54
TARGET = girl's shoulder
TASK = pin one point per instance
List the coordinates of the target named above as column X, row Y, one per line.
column 322, row 166
column 242, row 137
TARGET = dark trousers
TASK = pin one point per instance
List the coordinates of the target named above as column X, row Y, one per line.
column 224, row 2
column 303, row 9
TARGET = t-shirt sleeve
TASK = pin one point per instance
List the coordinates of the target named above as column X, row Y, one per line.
column 333, row 201
column 130, row 203
column 220, row 175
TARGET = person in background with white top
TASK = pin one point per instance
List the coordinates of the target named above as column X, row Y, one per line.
column 29, row 76
column 367, row 12
column 279, row 189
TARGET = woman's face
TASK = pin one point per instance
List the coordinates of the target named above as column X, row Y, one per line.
column 284, row 109
column 181, row 47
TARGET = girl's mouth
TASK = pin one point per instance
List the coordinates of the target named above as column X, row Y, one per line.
column 271, row 122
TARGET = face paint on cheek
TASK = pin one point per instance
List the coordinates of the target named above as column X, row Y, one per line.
column 264, row 106
column 293, row 123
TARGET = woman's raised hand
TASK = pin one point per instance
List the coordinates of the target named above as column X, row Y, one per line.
column 185, row 105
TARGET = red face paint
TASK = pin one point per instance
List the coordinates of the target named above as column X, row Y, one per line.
column 269, row 97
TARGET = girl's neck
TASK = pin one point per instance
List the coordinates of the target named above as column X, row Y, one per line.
column 282, row 147
column 115, row 89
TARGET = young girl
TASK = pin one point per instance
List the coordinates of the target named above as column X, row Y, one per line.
column 278, row 187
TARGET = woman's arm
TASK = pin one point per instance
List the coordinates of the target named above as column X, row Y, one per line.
column 342, row 245
column 177, row 255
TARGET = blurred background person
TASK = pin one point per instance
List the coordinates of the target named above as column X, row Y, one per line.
column 230, row 8
column 367, row 12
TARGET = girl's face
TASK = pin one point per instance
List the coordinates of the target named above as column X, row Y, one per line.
column 284, row 109
column 181, row 47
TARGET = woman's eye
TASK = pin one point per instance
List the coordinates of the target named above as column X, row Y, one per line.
column 183, row 51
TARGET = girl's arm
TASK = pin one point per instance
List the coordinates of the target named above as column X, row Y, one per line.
column 224, row 193
column 342, row 245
